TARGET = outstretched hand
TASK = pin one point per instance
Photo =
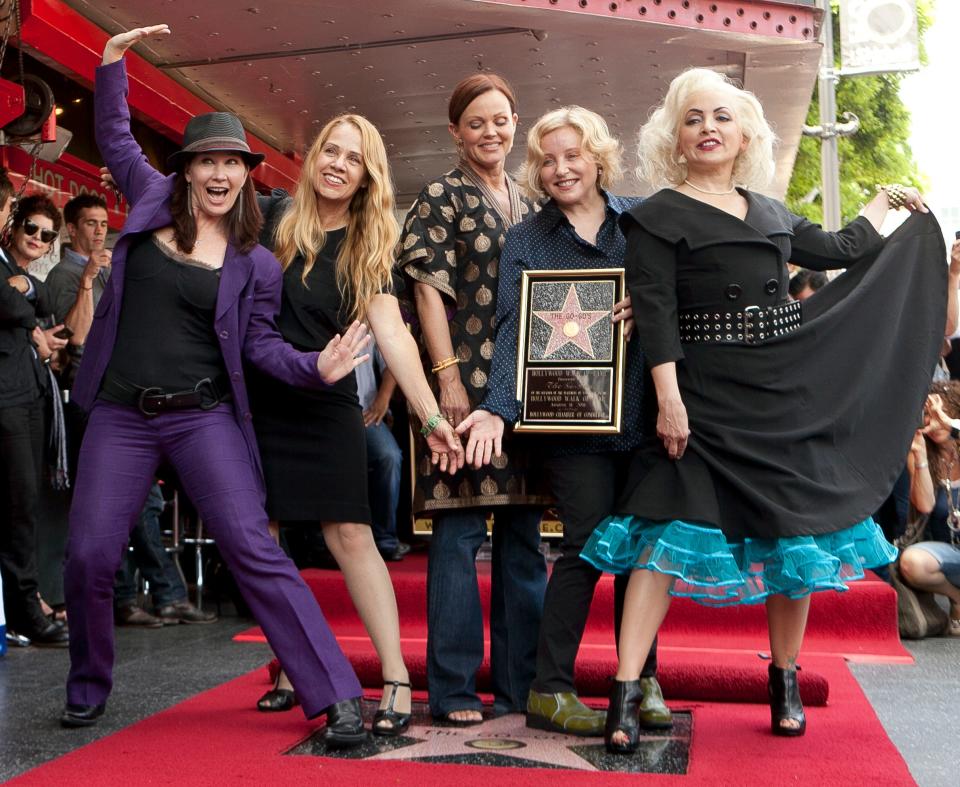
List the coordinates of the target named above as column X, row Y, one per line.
column 339, row 357
column 486, row 437
column 121, row 42
column 446, row 450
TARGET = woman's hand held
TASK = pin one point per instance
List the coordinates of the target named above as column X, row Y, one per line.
column 486, row 437
column 446, row 449
column 454, row 402
column 120, row 43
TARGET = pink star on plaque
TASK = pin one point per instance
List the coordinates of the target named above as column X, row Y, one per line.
column 570, row 324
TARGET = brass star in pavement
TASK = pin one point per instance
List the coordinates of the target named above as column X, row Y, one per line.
column 505, row 736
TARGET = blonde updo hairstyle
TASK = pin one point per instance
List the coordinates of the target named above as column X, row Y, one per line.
column 595, row 141
column 660, row 161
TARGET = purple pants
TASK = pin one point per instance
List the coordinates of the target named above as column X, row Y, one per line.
column 118, row 461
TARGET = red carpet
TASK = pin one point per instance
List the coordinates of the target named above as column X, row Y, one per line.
column 860, row 624
column 705, row 654
column 217, row 738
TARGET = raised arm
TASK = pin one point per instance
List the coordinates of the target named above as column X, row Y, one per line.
column 817, row 249
column 923, row 496
column 121, row 153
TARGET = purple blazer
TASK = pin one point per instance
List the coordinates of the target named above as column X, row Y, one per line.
column 248, row 298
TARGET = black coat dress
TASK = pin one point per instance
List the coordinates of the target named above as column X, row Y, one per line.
column 804, row 433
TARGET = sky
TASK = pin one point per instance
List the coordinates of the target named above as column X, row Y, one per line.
column 931, row 95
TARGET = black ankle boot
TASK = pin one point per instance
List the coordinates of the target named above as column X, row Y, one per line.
column 784, row 693
column 623, row 715
column 345, row 724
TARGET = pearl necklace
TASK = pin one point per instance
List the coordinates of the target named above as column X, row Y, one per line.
column 707, row 191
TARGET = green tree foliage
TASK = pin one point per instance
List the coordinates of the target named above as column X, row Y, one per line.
column 878, row 153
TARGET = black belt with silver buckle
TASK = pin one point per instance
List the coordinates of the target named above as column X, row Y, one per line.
column 205, row 395
column 752, row 325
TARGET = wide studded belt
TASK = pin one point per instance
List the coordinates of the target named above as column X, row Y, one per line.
column 752, row 325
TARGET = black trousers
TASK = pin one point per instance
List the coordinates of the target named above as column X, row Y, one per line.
column 21, row 468
column 586, row 487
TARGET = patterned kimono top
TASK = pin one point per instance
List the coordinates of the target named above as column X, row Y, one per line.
column 451, row 240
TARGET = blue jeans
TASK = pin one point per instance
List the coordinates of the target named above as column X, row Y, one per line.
column 151, row 558
column 384, row 462
column 455, row 616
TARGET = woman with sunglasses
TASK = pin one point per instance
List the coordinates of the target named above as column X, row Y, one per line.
column 23, row 348
column 191, row 297
column 40, row 229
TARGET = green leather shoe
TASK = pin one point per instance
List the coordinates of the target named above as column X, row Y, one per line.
column 654, row 713
column 563, row 712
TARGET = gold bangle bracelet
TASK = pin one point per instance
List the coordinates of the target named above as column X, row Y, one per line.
column 446, row 363
column 896, row 195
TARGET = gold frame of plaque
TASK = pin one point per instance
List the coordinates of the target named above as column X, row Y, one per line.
column 578, row 364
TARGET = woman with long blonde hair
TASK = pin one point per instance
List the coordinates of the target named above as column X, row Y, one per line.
column 335, row 240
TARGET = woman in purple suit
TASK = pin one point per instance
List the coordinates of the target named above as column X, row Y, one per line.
column 191, row 297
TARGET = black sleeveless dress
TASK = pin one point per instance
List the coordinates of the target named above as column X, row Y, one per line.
column 312, row 443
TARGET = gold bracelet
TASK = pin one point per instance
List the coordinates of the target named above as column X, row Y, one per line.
column 896, row 195
column 446, row 363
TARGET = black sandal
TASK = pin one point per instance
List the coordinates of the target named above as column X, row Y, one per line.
column 399, row 722
column 785, row 704
column 623, row 715
column 277, row 700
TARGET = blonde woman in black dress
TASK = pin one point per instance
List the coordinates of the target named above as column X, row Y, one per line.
column 336, row 240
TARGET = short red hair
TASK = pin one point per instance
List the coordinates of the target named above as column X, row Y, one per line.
column 471, row 87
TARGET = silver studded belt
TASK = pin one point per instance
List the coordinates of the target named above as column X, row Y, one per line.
column 752, row 325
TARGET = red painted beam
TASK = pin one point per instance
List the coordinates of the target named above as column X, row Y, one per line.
column 62, row 181
column 753, row 17
column 58, row 34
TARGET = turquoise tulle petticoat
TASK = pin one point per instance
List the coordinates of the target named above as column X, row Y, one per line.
column 712, row 571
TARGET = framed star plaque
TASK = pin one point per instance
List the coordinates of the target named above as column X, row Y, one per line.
column 570, row 356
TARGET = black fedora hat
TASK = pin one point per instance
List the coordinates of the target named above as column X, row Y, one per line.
column 214, row 132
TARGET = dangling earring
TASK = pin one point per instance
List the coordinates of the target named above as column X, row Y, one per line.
column 240, row 208
column 459, row 147
column 189, row 199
